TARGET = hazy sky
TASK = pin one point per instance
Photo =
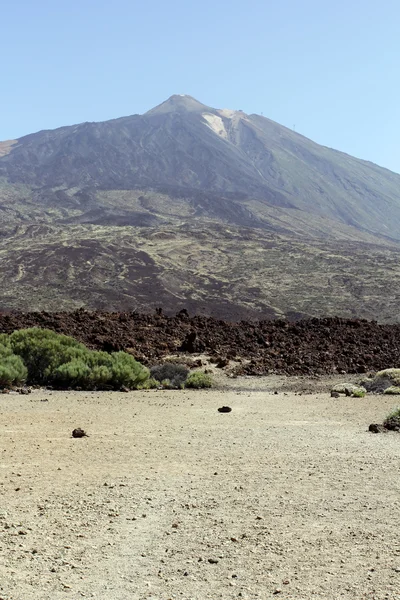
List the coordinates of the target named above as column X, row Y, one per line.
column 331, row 68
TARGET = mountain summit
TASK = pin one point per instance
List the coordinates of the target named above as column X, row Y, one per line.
column 178, row 103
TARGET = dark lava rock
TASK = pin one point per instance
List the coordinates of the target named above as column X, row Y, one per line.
column 79, row 433
column 335, row 395
column 222, row 362
column 393, row 423
column 225, row 409
column 377, row 428
column 192, row 344
column 312, row 346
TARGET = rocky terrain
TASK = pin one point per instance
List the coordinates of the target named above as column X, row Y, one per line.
column 308, row 347
column 228, row 214
column 228, row 273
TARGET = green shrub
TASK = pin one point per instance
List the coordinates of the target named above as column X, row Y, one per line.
column 358, row 393
column 75, row 373
column 43, row 351
column 12, row 370
column 198, row 380
column 59, row 360
column 126, row 371
column 175, row 374
column 4, row 342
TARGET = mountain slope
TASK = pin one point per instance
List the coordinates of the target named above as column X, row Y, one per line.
column 189, row 206
column 185, row 147
column 208, row 268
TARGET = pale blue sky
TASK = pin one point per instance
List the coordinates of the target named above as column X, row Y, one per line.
column 331, row 68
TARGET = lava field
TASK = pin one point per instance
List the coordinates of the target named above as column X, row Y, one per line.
column 309, row 347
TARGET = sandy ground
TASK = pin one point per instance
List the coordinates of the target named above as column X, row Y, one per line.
column 287, row 496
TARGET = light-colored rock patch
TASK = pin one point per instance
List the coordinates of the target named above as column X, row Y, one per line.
column 216, row 124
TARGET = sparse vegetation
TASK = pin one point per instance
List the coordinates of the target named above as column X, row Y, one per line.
column 198, row 379
column 392, row 390
column 350, row 389
column 170, row 375
column 149, row 384
column 383, row 380
column 392, row 421
column 394, row 414
column 360, row 393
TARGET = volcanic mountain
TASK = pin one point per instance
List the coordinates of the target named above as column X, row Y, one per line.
column 187, row 205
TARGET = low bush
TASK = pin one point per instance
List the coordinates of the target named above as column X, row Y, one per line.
column 12, row 371
column 75, row 373
column 349, row 388
column 175, row 374
column 392, row 390
column 392, row 374
column 392, row 421
column 395, row 413
column 44, row 357
column 382, row 380
column 198, row 379
column 43, row 351
column 149, row 384
column 126, row 371
column 358, row 393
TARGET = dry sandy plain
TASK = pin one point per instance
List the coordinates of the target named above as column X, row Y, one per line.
column 287, row 496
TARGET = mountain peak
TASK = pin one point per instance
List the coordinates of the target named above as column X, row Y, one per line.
column 178, row 103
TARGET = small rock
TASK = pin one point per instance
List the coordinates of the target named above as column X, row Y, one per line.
column 213, row 561
column 79, row 433
column 335, row 395
column 225, row 409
